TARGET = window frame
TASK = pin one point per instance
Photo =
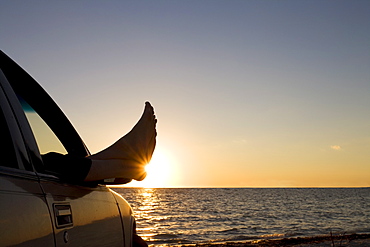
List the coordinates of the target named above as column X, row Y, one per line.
column 17, row 81
column 22, row 155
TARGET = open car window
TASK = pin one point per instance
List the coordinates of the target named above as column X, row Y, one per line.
column 46, row 139
column 31, row 92
column 43, row 126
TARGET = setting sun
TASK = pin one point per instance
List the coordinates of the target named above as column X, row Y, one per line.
column 159, row 171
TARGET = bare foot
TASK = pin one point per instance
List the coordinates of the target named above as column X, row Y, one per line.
column 134, row 150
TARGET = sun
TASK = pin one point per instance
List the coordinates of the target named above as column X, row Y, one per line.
column 159, row 171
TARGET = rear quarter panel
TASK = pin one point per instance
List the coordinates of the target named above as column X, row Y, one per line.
column 24, row 215
column 95, row 215
column 127, row 216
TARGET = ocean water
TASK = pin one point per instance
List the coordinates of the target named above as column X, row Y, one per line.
column 191, row 215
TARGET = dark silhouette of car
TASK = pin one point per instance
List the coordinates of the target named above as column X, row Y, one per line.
column 40, row 207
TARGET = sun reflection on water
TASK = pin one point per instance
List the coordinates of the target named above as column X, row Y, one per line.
column 146, row 213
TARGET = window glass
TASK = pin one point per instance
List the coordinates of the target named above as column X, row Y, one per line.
column 8, row 156
column 46, row 140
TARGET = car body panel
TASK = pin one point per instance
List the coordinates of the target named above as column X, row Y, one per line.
column 127, row 216
column 24, row 214
column 95, row 218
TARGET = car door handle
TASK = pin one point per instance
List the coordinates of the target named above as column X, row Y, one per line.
column 63, row 215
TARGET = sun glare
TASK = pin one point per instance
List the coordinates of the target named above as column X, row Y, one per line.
column 159, row 172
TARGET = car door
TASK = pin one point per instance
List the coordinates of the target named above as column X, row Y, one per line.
column 81, row 214
column 24, row 214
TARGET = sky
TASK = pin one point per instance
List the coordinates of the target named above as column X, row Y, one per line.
column 247, row 93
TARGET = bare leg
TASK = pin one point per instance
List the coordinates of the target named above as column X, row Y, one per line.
column 127, row 157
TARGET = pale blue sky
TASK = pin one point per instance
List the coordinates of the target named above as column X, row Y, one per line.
column 247, row 93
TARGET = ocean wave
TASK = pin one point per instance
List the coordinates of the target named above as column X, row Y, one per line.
column 230, row 230
column 165, row 236
column 271, row 236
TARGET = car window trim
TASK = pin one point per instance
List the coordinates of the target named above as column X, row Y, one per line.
column 21, row 125
column 21, row 152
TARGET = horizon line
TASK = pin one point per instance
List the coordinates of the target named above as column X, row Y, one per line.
column 245, row 187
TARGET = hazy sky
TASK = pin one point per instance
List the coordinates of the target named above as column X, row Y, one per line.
column 247, row 93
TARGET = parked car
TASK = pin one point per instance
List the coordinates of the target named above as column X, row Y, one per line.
column 39, row 207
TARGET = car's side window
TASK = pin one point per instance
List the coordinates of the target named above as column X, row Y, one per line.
column 46, row 140
column 7, row 153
